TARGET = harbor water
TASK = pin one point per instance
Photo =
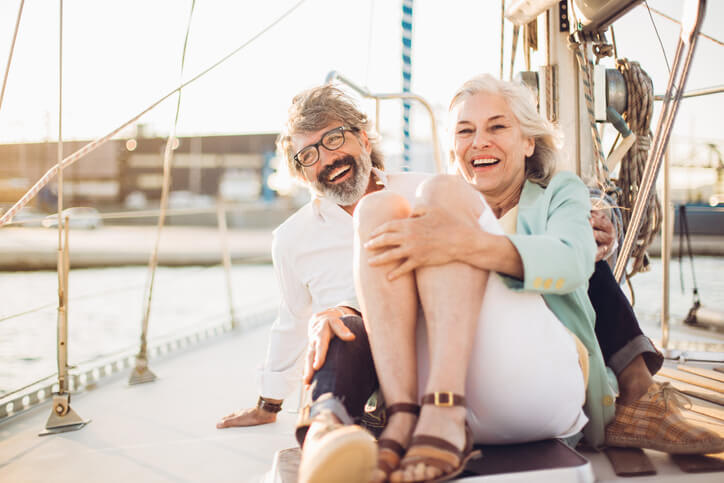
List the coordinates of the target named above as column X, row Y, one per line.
column 106, row 305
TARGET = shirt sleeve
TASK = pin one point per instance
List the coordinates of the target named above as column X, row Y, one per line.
column 282, row 369
column 560, row 259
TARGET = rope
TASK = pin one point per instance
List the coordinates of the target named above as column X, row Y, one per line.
column 406, row 78
column 605, row 195
column 701, row 34
column 585, row 67
column 514, row 50
column 502, row 37
column 638, row 114
column 92, row 146
column 165, row 188
column 656, row 30
column 12, row 49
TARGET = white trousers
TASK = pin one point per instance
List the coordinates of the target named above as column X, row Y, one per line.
column 524, row 381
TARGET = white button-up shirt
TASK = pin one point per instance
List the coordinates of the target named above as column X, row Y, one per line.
column 312, row 253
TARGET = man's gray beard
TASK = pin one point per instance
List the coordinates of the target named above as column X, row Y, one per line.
column 352, row 190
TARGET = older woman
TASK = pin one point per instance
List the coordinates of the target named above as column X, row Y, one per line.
column 501, row 280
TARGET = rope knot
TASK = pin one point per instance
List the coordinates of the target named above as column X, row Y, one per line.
column 671, row 395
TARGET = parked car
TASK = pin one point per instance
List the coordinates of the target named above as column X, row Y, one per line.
column 79, row 217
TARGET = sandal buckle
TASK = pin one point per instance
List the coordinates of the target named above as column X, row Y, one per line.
column 447, row 401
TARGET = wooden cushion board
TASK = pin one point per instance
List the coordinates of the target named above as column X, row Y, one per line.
column 630, row 462
column 699, row 371
column 692, row 390
column 698, row 463
column 692, row 379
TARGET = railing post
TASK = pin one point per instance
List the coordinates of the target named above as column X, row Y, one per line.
column 225, row 256
column 62, row 417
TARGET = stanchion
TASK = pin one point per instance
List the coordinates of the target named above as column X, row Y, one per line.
column 62, row 417
column 226, row 257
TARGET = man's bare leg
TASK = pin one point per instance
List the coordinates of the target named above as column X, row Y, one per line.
column 634, row 381
column 389, row 310
column 451, row 297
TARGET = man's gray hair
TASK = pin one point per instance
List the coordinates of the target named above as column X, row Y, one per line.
column 540, row 166
column 315, row 108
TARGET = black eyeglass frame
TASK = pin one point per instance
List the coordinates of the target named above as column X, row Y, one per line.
column 342, row 129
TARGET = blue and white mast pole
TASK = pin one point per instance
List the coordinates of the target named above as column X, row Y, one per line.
column 406, row 78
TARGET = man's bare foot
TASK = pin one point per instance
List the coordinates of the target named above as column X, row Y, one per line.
column 399, row 428
column 447, row 423
column 246, row 417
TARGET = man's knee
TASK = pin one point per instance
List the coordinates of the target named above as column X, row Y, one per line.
column 447, row 190
column 339, row 350
column 379, row 207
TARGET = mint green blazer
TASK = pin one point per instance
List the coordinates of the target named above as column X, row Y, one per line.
column 555, row 242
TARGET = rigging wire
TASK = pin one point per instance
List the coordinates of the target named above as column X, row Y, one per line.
column 92, row 146
column 165, row 188
column 701, row 34
column 663, row 51
column 12, row 49
column 369, row 44
column 502, row 37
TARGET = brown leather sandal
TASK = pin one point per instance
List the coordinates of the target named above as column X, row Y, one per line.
column 390, row 451
column 437, row 452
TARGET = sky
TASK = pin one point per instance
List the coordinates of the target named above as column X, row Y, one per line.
column 121, row 56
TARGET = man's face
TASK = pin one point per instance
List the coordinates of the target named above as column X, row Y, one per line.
column 342, row 174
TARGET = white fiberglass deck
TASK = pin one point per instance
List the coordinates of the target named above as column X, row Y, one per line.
column 164, row 431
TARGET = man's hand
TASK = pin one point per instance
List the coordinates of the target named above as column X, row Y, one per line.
column 324, row 325
column 430, row 236
column 247, row 417
column 603, row 233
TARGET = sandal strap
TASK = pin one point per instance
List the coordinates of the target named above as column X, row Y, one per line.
column 443, row 399
column 392, row 445
column 435, row 442
column 402, row 407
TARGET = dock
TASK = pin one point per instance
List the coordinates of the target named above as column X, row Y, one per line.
column 35, row 248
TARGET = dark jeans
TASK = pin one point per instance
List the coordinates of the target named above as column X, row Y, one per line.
column 348, row 375
column 617, row 328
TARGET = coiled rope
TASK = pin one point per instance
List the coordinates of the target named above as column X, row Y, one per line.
column 605, row 194
column 638, row 115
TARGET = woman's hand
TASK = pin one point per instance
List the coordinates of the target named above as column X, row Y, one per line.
column 323, row 327
column 430, row 236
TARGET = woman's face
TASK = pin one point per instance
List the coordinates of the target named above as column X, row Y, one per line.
column 489, row 147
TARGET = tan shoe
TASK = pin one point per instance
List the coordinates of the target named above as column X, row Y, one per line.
column 337, row 453
column 655, row 422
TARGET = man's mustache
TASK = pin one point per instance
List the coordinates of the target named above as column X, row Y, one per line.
column 347, row 160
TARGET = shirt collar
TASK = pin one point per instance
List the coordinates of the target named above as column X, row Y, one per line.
column 322, row 206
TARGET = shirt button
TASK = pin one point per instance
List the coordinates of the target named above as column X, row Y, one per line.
column 538, row 282
column 559, row 283
column 548, row 283
column 607, row 400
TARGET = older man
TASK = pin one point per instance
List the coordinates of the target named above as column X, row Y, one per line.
column 329, row 147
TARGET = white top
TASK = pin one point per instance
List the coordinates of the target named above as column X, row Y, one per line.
column 312, row 255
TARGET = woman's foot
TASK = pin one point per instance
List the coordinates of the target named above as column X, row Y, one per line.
column 441, row 444
column 395, row 439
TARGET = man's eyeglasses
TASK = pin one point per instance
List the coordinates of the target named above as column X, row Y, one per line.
column 331, row 140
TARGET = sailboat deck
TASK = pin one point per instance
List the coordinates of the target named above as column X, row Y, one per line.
column 165, row 431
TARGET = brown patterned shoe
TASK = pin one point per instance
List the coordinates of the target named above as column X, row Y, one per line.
column 655, row 422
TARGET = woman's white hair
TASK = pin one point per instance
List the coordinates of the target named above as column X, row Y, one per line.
column 540, row 166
